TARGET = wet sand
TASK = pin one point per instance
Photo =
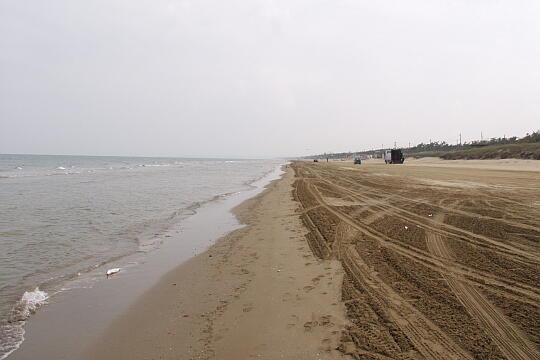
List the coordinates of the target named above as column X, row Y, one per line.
column 257, row 293
column 76, row 318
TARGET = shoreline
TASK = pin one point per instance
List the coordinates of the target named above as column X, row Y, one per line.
column 272, row 289
column 249, row 294
column 81, row 314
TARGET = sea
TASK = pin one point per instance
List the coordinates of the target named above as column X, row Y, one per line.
column 62, row 217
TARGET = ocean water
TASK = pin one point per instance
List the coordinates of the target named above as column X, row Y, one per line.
column 64, row 216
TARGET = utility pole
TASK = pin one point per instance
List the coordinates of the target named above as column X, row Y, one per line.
column 459, row 139
column 481, row 137
column 394, row 144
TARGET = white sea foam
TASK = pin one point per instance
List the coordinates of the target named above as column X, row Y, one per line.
column 60, row 168
column 28, row 304
column 13, row 330
column 155, row 165
column 12, row 338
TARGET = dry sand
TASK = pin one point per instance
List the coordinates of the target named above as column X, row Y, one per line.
column 441, row 262
column 491, row 164
column 258, row 293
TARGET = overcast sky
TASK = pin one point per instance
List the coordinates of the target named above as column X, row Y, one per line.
column 263, row 78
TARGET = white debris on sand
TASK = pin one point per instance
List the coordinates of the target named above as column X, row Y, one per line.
column 112, row 271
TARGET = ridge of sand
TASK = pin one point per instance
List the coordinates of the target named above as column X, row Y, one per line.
column 257, row 293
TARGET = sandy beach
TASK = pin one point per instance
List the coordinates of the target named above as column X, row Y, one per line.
column 441, row 260
column 493, row 164
column 369, row 262
column 258, row 293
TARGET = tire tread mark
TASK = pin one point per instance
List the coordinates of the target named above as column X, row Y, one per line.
column 512, row 343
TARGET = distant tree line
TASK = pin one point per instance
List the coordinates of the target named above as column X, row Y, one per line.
column 435, row 146
column 533, row 137
column 442, row 146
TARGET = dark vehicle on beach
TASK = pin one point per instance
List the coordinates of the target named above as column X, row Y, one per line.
column 394, row 156
column 357, row 161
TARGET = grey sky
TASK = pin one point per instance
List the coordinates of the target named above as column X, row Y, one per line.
column 263, row 78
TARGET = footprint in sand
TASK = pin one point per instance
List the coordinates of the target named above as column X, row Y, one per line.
column 308, row 288
column 286, row 297
column 293, row 321
column 326, row 345
column 326, row 321
column 308, row 326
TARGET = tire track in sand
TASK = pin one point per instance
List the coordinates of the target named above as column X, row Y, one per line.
column 428, row 339
column 426, row 258
column 508, row 250
column 512, row 343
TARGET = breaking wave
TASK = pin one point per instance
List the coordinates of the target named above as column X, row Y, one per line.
column 12, row 330
column 29, row 303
